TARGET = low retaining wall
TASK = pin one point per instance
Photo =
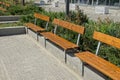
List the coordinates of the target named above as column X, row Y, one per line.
column 4, row 19
column 12, row 31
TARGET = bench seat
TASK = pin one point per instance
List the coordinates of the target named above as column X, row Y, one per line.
column 100, row 64
column 34, row 27
column 65, row 44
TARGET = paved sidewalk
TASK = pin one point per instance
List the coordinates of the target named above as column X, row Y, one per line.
column 22, row 58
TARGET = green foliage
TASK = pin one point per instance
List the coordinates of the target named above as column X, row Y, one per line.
column 4, row 13
column 30, row 9
column 27, row 18
column 16, row 24
column 78, row 17
column 110, row 53
column 23, row 10
column 15, row 10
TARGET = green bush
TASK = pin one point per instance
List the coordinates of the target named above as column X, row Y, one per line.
column 23, row 10
column 4, row 13
column 16, row 10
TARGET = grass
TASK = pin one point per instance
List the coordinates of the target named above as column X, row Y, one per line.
column 10, row 24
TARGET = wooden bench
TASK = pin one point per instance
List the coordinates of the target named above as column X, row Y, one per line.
column 0, row 2
column 7, row 5
column 36, row 28
column 4, row 6
column 63, row 43
column 2, row 9
column 99, row 63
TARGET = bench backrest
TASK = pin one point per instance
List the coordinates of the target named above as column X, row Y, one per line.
column 110, row 40
column 70, row 26
column 42, row 17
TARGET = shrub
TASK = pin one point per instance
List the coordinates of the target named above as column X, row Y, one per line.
column 78, row 17
column 4, row 13
column 16, row 10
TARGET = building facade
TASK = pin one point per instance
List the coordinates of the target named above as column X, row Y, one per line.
column 97, row 2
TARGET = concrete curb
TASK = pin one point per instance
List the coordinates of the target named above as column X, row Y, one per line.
column 9, row 19
column 12, row 31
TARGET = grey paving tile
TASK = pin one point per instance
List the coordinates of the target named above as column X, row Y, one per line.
column 21, row 58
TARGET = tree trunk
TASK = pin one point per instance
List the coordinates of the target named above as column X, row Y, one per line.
column 23, row 2
column 67, row 7
column 119, row 3
column 92, row 2
column 97, row 2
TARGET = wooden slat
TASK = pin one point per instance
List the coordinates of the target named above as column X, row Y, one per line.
column 34, row 27
column 77, row 28
column 59, row 41
column 70, row 26
column 62, row 23
column 43, row 17
column 113, row 41
column 100, row 64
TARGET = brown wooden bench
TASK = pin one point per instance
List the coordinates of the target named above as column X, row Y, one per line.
column 63, row 43
column 5, row 4
column 0, row 2
column 36, row 28
column 99, row 63
column 2, row 9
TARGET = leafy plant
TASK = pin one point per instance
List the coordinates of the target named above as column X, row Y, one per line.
column 16, row 10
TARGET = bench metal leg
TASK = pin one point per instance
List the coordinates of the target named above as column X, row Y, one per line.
column 37, row 37
column 26, row 30
column 45, row 41
column 98, row 47
column 65, row 56
column 82, row 68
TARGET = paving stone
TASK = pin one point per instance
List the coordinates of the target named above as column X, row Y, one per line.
column 22, row 58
